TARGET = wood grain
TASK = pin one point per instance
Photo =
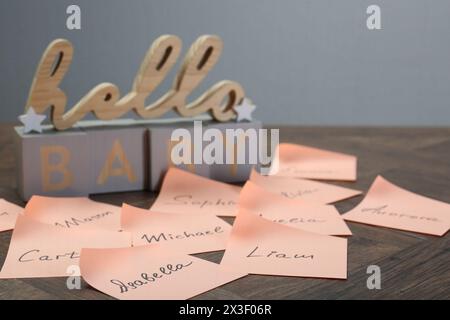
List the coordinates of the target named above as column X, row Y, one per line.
column 413, row 266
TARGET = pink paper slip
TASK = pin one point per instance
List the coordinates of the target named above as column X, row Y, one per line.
column 186, row 233
column 184, row 192
column 306, row 162
column 260, row 246
column 42, row 250
column 308, row 190
column 296, row 213
column 74, row 213
column 8, row 214
column 151, row 273
column 387, row 205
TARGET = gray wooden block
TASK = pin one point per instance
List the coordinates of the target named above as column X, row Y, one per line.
column 234, row 172
column 160, row 146
column 117, row 157
column 120, row 155
column 52, row 163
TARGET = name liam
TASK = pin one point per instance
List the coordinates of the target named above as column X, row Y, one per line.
column 258, row 253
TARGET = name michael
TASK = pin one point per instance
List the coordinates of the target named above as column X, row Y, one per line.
column 185, row 235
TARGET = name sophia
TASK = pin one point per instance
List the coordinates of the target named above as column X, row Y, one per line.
column 188, row 200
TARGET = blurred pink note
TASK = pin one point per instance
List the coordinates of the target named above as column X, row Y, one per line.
column 186, row 233
column 42, row 250
column 8, row 214
column 185, row 192
column 260, row 246
column 319, row 218
column 297, row 188
column 306, row 162
column 74, row 213
column 151, row 273
column 387, row 205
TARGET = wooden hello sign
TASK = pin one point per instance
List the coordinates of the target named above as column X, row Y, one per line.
column 105, row 101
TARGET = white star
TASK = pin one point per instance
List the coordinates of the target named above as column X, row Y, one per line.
column 244, row 110
column 32, row 121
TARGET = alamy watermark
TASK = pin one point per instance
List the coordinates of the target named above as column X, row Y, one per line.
column 374, row 280
column 230, row 146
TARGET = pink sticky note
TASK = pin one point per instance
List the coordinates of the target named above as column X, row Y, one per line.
column 8, row 214
column 306, row 162
column 74, row 213
column 185, row 192
column 187, row 233
column 319, row 218
column 387, row 205
column 260, row 246
column 42, row 250
column 297, row 188
column 152, row 273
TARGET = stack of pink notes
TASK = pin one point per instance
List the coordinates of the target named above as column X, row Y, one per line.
column 284, row 225
column 49, row 234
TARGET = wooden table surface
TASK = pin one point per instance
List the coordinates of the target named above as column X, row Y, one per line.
column 413, row 266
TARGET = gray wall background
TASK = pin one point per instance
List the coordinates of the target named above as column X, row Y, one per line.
column 308, row 62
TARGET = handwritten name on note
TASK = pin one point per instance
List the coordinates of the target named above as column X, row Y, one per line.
column 188, row 200
column 258, row 253
column 295, row 220
column 187, row 233
column 151, row 272
column 42, row 250
column 74, row 213
column 387, row 205
column 302, row 189
column 298, row 193
column 75, row 222
column 306, row 162
column 319, row 218
column 8, row 214
column 152, row 238
column 37, row 255
column 385, row 210
column 184, row 192
column 259, row 246
column 148, row 278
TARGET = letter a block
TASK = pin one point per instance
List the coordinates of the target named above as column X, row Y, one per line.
column 52, row 163
column 117, row 158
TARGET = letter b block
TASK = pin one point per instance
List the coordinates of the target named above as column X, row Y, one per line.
column 52, row 163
